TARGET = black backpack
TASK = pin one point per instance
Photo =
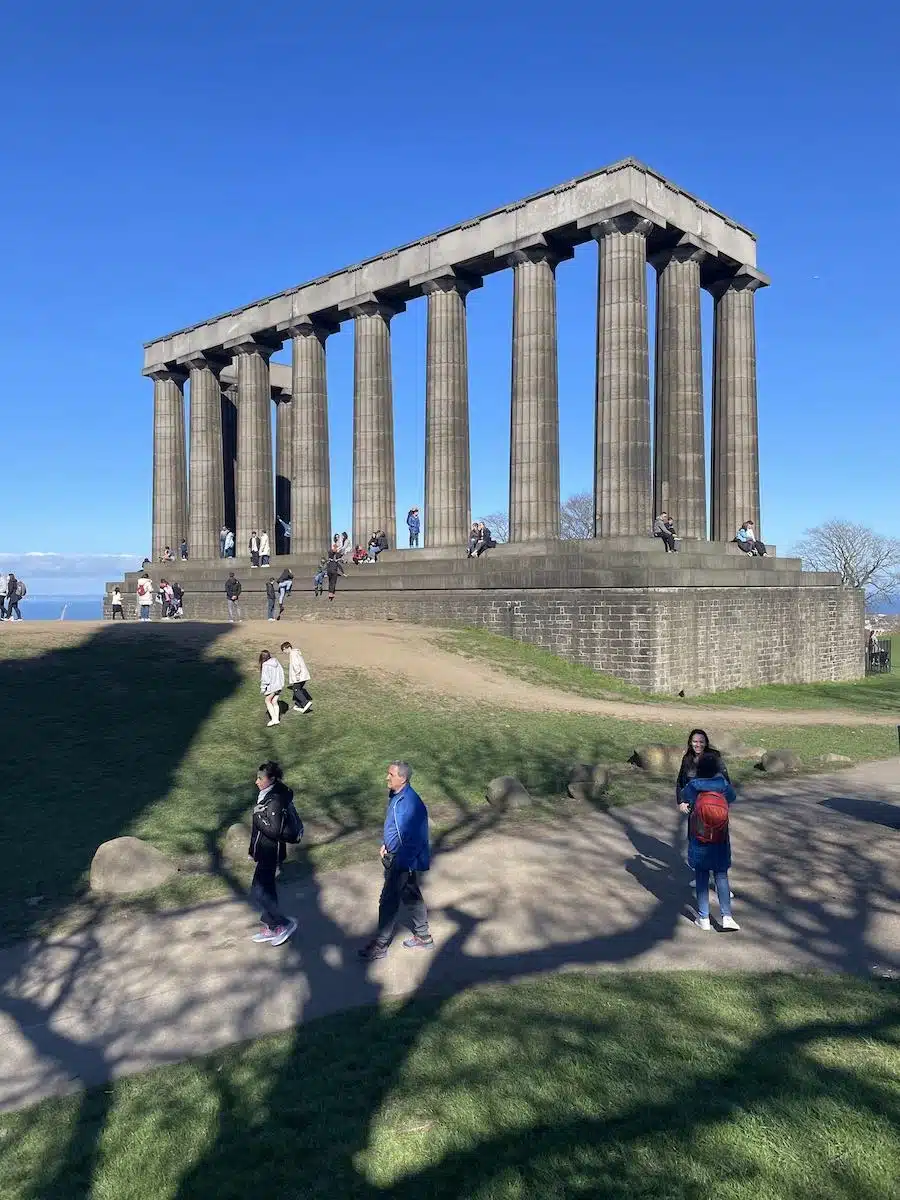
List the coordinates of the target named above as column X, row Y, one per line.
column 21, row 589
column 291, row 824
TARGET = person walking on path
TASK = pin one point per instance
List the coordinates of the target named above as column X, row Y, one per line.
column 706, row 800
column 271, row 685
column 265, row 549
column 15, row 591
column 285, row 586
column 271, row 598
column 414, row 525
column 233, row 595
column 298, row 678
column 405, row 854
column 117, row 609
column 664, row 528
column 267, row 847
column 144, row 596
column 333, row 568
column 253, row 546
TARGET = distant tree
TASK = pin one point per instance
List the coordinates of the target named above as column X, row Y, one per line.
column 862, row 557
column 576, row 516
column 498, row 524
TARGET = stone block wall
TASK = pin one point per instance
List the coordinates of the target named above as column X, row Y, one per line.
column 660, row 639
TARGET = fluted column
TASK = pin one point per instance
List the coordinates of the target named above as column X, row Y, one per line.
column 447, row 512
column 206, row 487
column 679, row 474
column 310, row 477
column 169, row 462
column 284, row 456
column 735, row 437
column 534, row 411
column 622, row 458
column 229, row 454
column 255, row 508
column 374, row 490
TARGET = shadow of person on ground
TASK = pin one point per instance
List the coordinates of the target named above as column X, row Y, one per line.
column 878, row 812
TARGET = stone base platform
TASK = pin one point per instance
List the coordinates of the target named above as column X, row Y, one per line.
column 706, row 619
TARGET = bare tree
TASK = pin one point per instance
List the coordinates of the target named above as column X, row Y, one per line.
column 576, row 516
column 862, row 557
column 498, row 524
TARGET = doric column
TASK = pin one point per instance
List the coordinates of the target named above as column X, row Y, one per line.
column 534, row 412
column 374, row 491
column 284, row 457
column 679, row 470
column 255, row 508
column 229, row 454
column 310, row 474
column 206, row 487
column 169, row 462
column 735, row 438
column 622, row 458
column 447, row 512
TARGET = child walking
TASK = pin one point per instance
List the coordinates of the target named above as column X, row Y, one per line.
column 706, row 800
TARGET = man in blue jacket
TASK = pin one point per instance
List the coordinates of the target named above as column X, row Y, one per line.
column 404, row 854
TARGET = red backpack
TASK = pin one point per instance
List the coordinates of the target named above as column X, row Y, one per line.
column 709, row 818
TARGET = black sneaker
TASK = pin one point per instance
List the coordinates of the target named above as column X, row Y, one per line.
column 372, row 952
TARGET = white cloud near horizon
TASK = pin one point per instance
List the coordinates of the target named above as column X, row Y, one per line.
column 56, row 568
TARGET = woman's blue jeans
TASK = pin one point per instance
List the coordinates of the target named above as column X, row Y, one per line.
column 722, row 890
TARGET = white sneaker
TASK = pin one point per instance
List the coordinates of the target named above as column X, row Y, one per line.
column 704, row 924
column 268, row 723
column 306, row 707
column 730, row 923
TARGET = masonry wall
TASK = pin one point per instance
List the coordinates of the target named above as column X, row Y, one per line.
column 660, row 639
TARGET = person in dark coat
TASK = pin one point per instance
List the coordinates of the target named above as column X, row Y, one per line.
column 709, row 851
column 271, row 598
column 267, row 851
column 697, row 746
column 333, row 568
column 405, row 854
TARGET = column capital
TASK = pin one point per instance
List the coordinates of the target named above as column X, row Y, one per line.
column 744, row 279
column 172, row 374
column 625, row 217
column 687, row 249
column 535, row 248
column 317, row 327
column 626, row 223
column 370, row 304
column 263, row 345
column 205, row 360
column 446, row 279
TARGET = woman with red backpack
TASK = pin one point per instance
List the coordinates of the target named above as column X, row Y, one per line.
column 706, row 800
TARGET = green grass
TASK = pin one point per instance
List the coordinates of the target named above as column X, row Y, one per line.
column 874, row 695
column 148, row 733
column 627, row 1087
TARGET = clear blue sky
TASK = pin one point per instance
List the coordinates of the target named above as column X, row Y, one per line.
column 168, row 162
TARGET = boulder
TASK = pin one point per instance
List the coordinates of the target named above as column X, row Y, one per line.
column 780, row 762
column 506, row 792
column 588, row 783
column 728, row 744
column 658, row 759
column 835, row 760
column 236, row 842
column 126, row 864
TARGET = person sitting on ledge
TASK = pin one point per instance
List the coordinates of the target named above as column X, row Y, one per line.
column 664, row 528
column 377, row 542
column 167, row 555
column 474, row 535
column 360, row 555
column 485, row 541
column 748, row 541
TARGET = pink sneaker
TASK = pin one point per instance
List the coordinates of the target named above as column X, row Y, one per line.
column 265, row 934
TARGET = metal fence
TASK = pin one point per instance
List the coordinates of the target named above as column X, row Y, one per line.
column 878, row 656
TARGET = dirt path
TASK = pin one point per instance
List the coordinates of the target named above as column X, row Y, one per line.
column 396, row 651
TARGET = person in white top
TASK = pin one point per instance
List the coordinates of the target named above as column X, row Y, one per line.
column 298, row 677
column 271, row 682
column 144, row 596
column 4, row 579
column 117, row 609
column 265, row 549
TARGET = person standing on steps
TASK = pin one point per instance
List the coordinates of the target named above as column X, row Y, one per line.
column 706, row 800
column 271, row 685
column 271, row 598
column 233, row 595
column 229, row 543
column 265, row 549
column 223, row 534
column 414, row 526
column 116, row 604
column 253, row 547
column 333, row 568
column 144, row 596
column 405, row 854
column 298, row 678
column 184, row 550
column 270, row 813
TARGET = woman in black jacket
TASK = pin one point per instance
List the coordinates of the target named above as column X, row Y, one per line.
column 266, row 847
column 697, row 745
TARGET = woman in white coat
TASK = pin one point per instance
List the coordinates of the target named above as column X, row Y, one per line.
column 271, row 683
column 265, row 549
